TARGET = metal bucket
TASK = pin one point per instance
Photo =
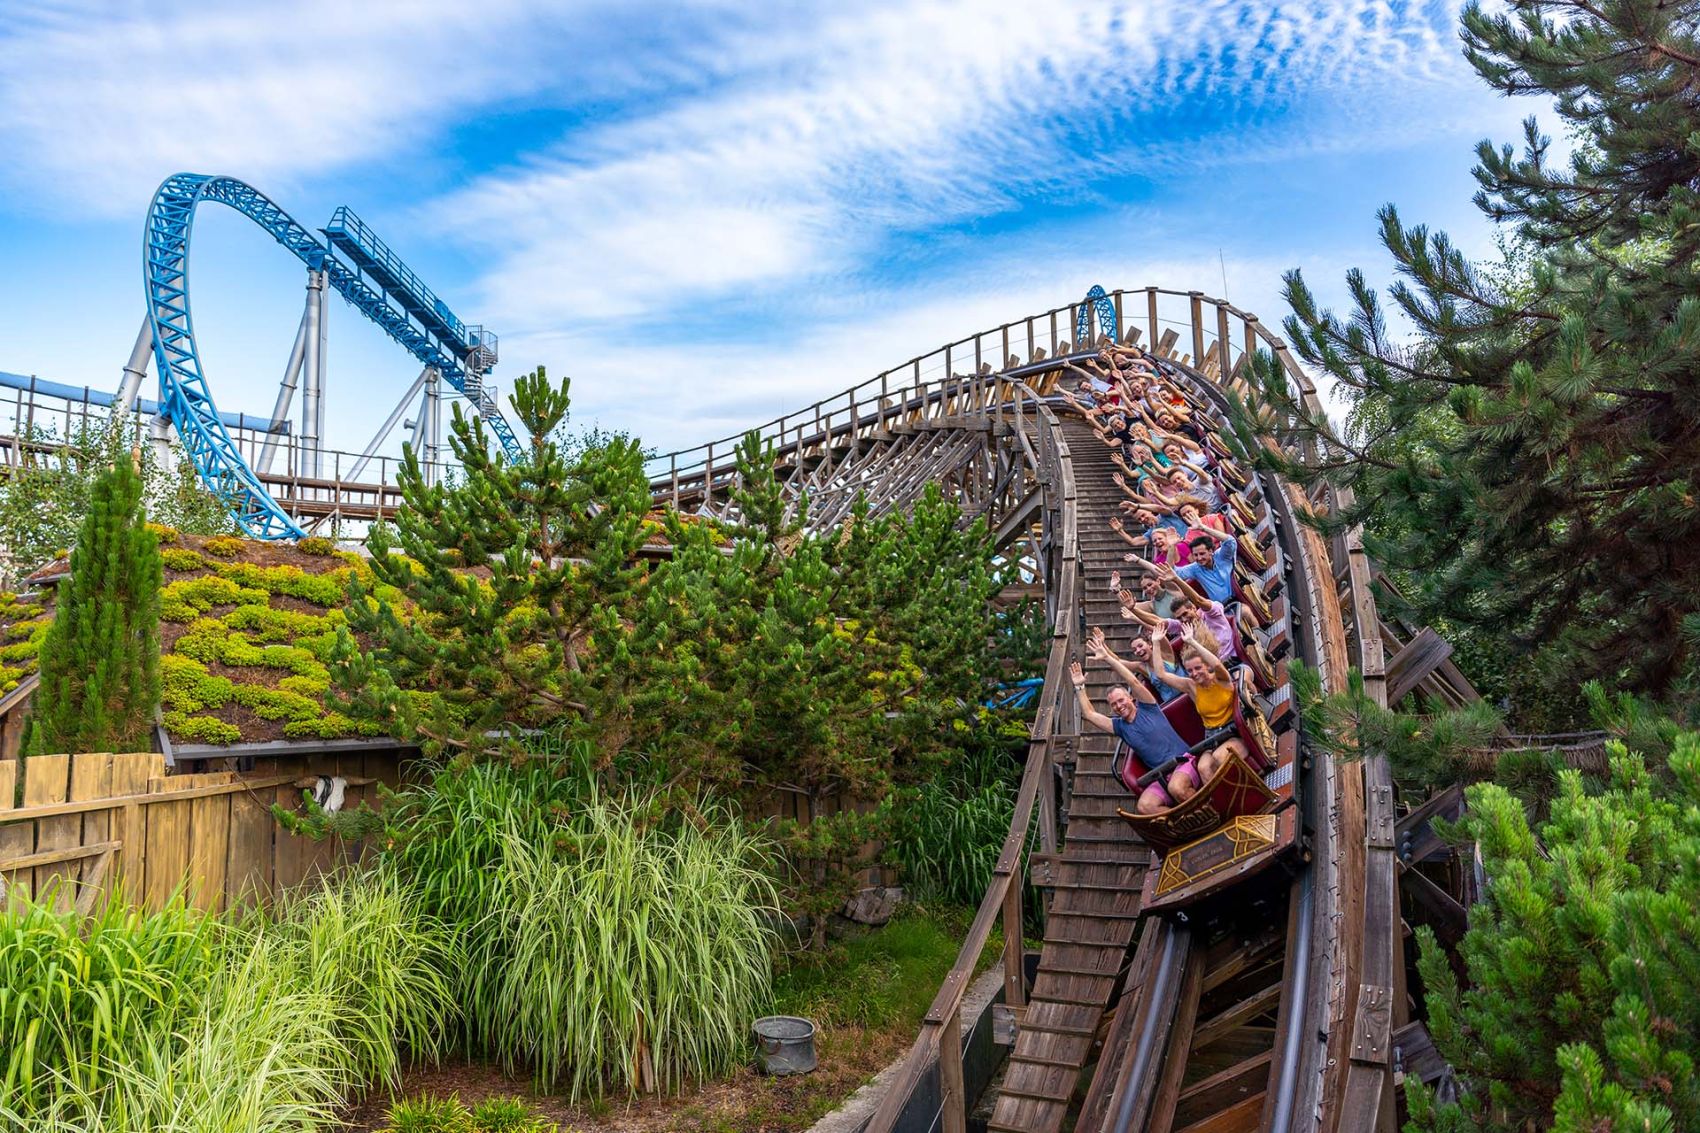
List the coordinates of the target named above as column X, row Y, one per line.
column 785, row 1044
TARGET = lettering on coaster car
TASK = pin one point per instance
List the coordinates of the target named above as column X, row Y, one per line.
column 1242, row 837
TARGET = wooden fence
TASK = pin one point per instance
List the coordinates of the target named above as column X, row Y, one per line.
column 98, row 823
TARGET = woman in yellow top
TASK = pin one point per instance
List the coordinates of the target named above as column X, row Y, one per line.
column 1207, row 681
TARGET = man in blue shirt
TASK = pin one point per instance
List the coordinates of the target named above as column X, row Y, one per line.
column 1137, row 721
column 1212, row 565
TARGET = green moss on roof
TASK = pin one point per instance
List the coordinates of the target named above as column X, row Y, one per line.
column 246, row 631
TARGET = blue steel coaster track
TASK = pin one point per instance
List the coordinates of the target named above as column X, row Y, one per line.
column 431, row 334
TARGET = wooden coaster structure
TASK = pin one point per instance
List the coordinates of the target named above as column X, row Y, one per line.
column 1174, row 1009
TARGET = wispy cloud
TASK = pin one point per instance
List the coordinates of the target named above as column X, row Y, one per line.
column 101, row 101
column 898, row 172
column 834, row 136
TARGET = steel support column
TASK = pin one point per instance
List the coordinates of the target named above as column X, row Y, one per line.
column 286, row 389
column 313, row 379
column 429, row 373
column 135, row 369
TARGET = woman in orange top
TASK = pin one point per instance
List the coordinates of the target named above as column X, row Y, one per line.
column 1207, row 681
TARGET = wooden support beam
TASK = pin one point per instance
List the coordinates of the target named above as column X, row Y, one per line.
column 1414, row 663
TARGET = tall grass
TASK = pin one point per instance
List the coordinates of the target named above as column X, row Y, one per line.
column 79, row 997
column 635, row 957
column 267, row 1024
column 948, row 836
column 610, row 945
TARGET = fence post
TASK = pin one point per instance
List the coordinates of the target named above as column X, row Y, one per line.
column 1222, row 341
column 1197, row 298
column 1014, row 978
column 1151, row 314
column 954, row 1101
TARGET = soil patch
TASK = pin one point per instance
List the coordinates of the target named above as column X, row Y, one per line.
column 747, row 1102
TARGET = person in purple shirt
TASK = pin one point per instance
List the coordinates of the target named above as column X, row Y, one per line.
column 1136, row 720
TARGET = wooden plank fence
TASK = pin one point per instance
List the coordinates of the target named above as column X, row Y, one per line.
column 103, row 823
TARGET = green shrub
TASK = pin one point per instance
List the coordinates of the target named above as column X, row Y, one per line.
column 315, row 545
column 427, row 1114
column 508, row 1115
column 225, row 546
column 201, row 729
column 182, row 559
column 165, row 535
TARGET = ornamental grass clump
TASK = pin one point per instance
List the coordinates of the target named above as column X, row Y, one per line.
column 633, row 957
column 610, row 944
column 79, row 998
column 181, row 1021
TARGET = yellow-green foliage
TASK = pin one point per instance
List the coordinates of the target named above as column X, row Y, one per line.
column 182, row 559
column 187, row 686
column 26, row 629
column 275, row 703
column 201, row 729
column 330, row 726
column 225, row 546
column 315, row 545
column 183, row 600
column 268, row 624
column 315, row 687
column 328, row 589
column 165, row 535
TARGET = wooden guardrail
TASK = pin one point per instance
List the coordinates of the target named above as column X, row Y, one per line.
column 940, row 1037
column 1364, row 998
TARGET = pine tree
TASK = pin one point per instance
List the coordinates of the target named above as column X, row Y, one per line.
column 1528, row 464
column 1581, row 1010
column 504, row 597
column 100, row 660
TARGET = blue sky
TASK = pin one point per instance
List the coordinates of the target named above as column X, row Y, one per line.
column 711, row 213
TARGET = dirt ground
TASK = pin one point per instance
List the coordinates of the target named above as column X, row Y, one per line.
column 748, row 1102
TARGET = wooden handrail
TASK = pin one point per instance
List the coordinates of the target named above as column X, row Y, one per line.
column 1003, row 895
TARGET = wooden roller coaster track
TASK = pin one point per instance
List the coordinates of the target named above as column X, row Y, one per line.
column 1277, row 1013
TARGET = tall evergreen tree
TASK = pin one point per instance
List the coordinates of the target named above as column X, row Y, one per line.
column 1529, row 461
column 100, row 659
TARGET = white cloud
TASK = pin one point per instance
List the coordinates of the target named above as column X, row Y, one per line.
column 831, row 137
column 101, row 102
